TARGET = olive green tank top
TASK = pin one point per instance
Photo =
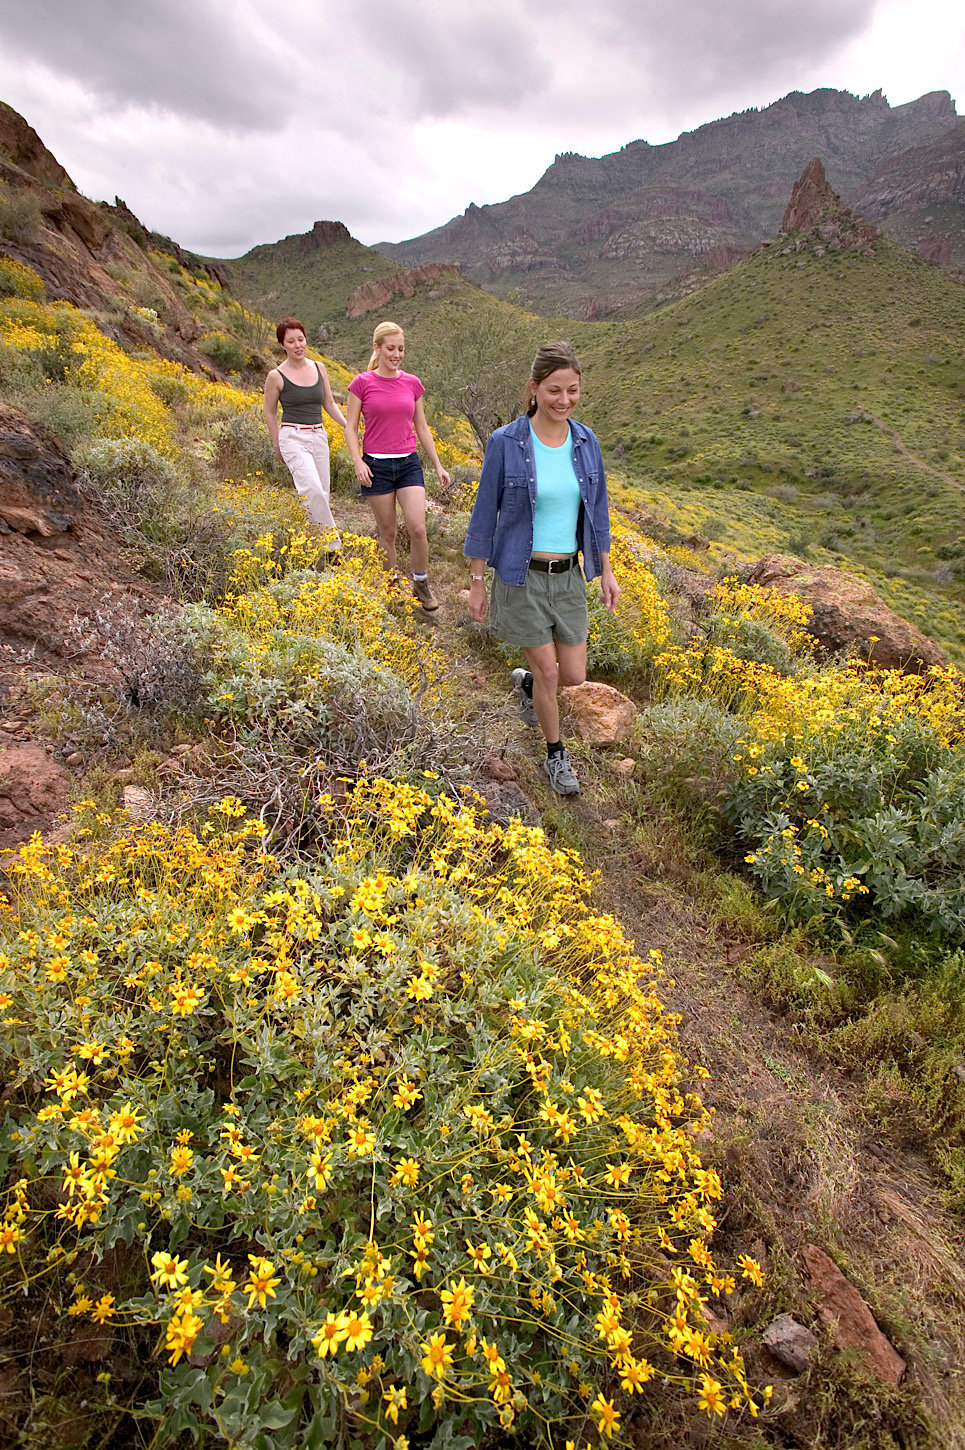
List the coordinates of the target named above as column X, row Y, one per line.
column 302, row 404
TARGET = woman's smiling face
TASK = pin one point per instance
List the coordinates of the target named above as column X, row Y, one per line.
column 392, row 350
column 557, row 395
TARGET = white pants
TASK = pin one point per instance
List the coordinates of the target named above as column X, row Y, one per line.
column 305, row 451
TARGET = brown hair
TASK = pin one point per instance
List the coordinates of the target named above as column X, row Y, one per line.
column 551, row 358
column 384, row 330
column 288, row 324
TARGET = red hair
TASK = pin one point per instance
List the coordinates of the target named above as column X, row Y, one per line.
column 288, row 324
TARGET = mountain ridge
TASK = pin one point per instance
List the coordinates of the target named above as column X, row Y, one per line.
column 596, row 235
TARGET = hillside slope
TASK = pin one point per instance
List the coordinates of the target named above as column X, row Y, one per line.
column 809, row 401
column 595, row 234
column 341, row 289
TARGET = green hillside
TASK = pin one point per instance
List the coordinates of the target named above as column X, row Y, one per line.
column 742, row 411
column 313, row 276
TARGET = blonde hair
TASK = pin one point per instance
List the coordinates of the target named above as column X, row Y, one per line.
column 384, row 330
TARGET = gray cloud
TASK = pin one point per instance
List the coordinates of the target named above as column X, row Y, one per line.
column 202, row 58
column 225, row 129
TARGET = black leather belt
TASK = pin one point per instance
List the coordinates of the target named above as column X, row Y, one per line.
column 554, row 566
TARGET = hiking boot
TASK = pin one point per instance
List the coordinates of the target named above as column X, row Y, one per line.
column 423, row 592
column 561, row 773
column 525, row 708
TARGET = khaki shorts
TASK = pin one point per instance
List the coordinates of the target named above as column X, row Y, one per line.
column 547, row 607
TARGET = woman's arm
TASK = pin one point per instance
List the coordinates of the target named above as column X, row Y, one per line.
column 424, row 434
column 353, row 413
column 609, row 588
column 478, row 602
column 273, row 385
column 328, row 399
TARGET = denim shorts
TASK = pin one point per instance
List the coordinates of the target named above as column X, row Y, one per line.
column 390, row 474
column 547, row 607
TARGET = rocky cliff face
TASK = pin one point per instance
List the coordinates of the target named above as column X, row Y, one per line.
column 439, row 279
column 75, row 243
column 617, row 230
column 918, row 198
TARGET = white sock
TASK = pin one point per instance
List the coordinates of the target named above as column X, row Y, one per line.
column 418, row 578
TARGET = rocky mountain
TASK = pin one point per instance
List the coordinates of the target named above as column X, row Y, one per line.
column 597, row 236
column 918, row 198
column 143, row 290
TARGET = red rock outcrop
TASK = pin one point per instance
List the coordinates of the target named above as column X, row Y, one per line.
column 20, row 142
column 852, row 1323
column 323, row 234
column 56, row 560
column 600, row 714
column 816, row 207
column 33, row 791
column 401, row 284
column 847, row 614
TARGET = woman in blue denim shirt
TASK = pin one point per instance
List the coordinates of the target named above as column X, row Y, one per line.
column 541, row 501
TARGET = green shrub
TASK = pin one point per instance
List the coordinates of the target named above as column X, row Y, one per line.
column 132, row 484
column 243, row 449
column 21, row 216
column 19, row 280
column 226, row 352
column 394, row 1142
column 859, row 822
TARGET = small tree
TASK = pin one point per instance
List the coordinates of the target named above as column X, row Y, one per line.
column 480, row 365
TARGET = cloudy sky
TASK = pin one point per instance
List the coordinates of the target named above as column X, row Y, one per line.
column 223, row 127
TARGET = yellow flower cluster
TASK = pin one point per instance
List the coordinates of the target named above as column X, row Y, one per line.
column 237, row 1074
column 357, row 605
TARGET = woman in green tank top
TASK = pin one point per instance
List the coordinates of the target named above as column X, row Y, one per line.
column 300, row 441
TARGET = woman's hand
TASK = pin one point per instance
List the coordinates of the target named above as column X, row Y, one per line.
column 443, row 476
column 609, row 588
column 478, row 602
column 363, row 474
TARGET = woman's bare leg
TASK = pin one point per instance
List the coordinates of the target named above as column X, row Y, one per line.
column 383, row 510
column 413, row 504
column 544, row 668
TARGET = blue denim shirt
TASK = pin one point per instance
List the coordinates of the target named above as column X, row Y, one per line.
column 501, row 527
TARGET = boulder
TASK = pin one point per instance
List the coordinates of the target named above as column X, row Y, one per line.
column 847, row 614
column 852, row 1323
column 600, row 714
column 789, row 1342
column 34, row 790
column 137, row 802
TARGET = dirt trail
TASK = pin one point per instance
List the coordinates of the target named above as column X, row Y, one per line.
column 899, row 443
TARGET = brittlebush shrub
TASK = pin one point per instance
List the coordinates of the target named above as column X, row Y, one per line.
column 396, row 1141
column 19, row 280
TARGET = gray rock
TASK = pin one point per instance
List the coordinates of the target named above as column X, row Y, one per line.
column 789, row 1342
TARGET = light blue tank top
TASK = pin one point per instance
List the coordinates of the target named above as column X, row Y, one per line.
column 557, row 498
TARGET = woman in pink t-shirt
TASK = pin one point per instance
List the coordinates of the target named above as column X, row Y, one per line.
column 390, row 403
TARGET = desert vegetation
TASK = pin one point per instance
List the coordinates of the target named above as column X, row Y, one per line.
column 345, row 1107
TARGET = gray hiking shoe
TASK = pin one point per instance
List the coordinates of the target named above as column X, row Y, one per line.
column 423, row 592
column 526, row 709
column 562, row 775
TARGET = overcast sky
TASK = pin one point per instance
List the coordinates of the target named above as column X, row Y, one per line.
column 224, row 128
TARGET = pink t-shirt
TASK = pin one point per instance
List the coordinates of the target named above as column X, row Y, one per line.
column 388, row 406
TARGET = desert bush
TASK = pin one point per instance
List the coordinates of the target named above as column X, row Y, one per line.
column 21, row 216
column 243, row 449
column 867, row 818
column 19, row 280
column 392, row 1139
column 225, row 352
column 133, row 485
